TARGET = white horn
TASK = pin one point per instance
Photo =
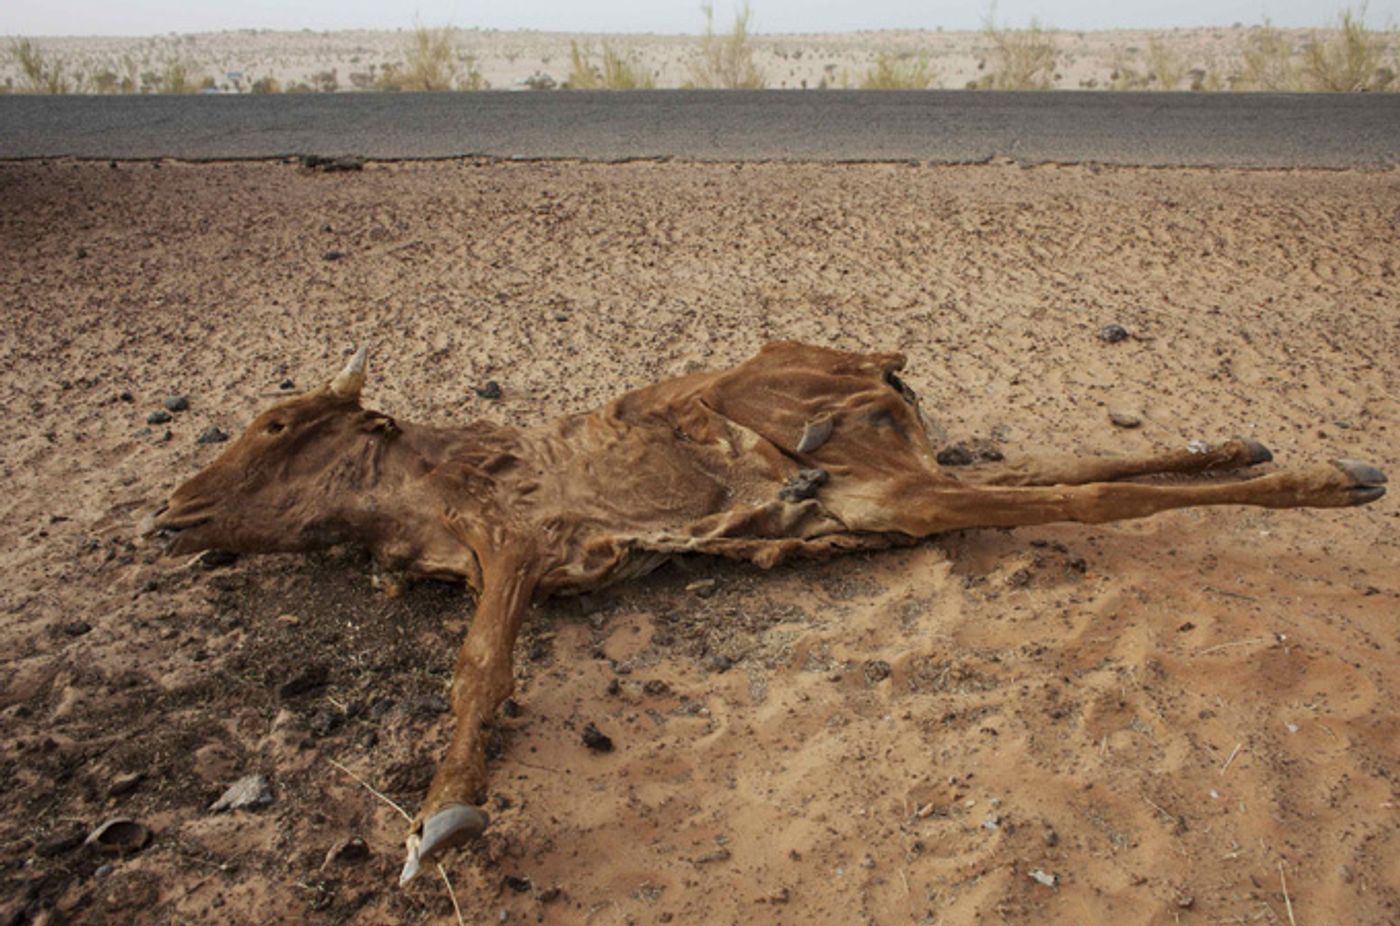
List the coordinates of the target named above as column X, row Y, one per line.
column 349, row 381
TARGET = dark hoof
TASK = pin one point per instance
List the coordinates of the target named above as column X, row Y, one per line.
column 1255, row 452
column 1368, row 483
column 452, row 826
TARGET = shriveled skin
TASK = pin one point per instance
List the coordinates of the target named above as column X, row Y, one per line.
column 800, row 450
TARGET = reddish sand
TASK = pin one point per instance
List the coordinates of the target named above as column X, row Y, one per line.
column 1164, row 716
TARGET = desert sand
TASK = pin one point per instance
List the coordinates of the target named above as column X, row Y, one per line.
column 351, row 60
column 1154, row 722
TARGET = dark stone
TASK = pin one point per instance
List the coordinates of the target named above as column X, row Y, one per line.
column 286, row 384
column 126, row 397
column 77, row 628
column 596, row 739
column 803, row 486
column 217, row 559
column 957, row 455
column 492, row 390
column 511, row 708
column 1112, row 334
column 212, row 435
column 159, row 416
column 656, row 688
column 331, row 165
column 177, row 403
column 82, row 253
column 333, row 255
column 310, row 678
column 719, row 662
column 519, row 885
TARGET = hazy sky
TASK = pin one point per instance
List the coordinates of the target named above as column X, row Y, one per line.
column 149, row 17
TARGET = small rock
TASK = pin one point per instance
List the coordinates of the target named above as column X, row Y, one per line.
column 703, row 588
column 656, row 688
column 719, row 662
column 288, row 619
column 1044, row 878
column 125, row 397
column 119, row 837
column 159, row 416
column 876, row 671
column 125, row 784
column 347, row 851
column 1124, row 419
column 517, row 884
column 993, row 822
column 803, row 486
column 1112, row 334
column 247, row 792
column 286, row 384
column 212, row 435
column 77, row 628
column 551, row 893
column 719, row 855
column 492, row 390
column 596, row 739
column 177, row 403
column 1185, row 901
column 333, row 255
column 82, row 253
column 561, row 316
column 1052, row 838
column 103, row 870
column 957, row 455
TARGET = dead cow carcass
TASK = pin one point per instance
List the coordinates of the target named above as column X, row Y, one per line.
column 799, row 451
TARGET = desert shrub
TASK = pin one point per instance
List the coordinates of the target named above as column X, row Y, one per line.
column 326, row 81
column 179, row 77
column 615, row 72
column 1347, row 59
column 1023, row 59
column 40, row 72
column 431, row 62
column 891, row 72
column 540, row 81
column 1268, row 62
column 726, row 61
column 266, row 85
column 1162, row 68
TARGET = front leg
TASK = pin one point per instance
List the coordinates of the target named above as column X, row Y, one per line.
column 482, row 679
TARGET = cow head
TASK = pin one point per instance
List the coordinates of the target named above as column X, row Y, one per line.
column 297, row 479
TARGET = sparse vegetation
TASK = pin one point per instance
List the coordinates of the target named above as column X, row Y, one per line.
column 431, row 63
column 1022, row 59
column 615, row 72
column 1163, row 68
column 899, row 72
column 1349, row 59
column 1268, row 62
column 41, row 72
column 726, row 61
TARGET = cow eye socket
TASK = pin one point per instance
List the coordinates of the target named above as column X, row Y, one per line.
column 275, row 427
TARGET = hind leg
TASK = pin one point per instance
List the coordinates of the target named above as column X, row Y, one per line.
column 1232, row 454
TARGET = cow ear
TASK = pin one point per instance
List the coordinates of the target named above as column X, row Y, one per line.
column 349, row 381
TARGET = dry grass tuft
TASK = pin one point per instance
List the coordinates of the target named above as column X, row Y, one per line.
column 899, row 72
column 431, row 62
column 726, row 61
column 615, row 72
column 1023, row 59
column 41, row 72
column 1349, row 59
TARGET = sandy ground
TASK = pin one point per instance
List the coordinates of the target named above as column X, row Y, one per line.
column 507, row 60
column 1161, row 715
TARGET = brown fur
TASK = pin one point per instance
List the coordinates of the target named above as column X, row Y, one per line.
column 707, row 463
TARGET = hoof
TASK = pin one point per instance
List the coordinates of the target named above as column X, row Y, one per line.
column 1368, row 483
column 1255, row 452
column 452, row 826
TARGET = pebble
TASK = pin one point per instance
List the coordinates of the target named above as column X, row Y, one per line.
column 877, row 670
column 1042, row 877
column 719, row 662
column 159, row 416
column 596, row 739
column 1112, row 334
column 77, row 628
column 125, row 784
column 492, row 390
column 177, row 403
column 247, row 792
column 1124, row 419
column 333, row 255
column 517, row 884
column 956, row 455
column 212, row 436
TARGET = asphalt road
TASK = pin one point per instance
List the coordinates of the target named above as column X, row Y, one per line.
column 1154, row 129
